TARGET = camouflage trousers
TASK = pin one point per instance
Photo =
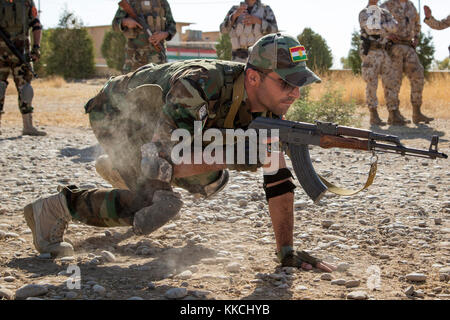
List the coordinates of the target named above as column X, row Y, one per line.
column 375, row 64
column 121, row 128
column 21, row 77
column 140, row 54
column 404, row 59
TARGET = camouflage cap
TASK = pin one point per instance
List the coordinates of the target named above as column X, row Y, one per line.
column 284, row 55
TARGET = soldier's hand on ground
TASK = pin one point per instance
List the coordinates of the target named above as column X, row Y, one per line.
column 325, row 266
column 158, row 37
column 250, row 20
column 130, row 23
column 427, row 11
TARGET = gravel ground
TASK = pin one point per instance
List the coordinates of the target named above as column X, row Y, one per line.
column 390, row 242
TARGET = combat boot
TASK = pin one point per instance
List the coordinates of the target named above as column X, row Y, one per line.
column 48, row 219
column 418, row 117
column 28, row 128
column 105, row 169
column 395, row 118
column 375, row 118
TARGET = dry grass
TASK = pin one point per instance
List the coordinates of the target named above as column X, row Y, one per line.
column 436, row 97
column 60, row 103
column 56, row 102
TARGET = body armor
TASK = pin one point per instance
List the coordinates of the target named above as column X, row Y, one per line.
column 14, row 17
column 244, row 36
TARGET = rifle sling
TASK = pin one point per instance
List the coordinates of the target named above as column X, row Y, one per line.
column 238, row 97
column 347, row 192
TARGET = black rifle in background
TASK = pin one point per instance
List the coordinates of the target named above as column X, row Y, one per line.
column 16, row 52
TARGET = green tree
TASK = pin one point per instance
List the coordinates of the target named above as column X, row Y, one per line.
column 320, row 58
column 39, row 67
column 425, row 50
column 223, row 47
column 113, row 49
column 70, row 49
column 345, row 63
column 444, row 64
column 354, row 59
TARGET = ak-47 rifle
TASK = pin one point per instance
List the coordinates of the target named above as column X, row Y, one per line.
column 296, row 136
column 125, row 5
column 16, row 52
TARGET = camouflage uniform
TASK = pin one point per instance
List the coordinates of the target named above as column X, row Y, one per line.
column 376, row 61
column 438, row 24
column 139, row 51
column 122, row 128
column 403, row 56
column 140, row 110
column 242, row 36
column 16, row 18
column 124, row 122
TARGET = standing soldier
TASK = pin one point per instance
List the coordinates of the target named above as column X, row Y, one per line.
column 433, row 23
column 16, row 19
column 404, row 57
column 140, row 48
column 247, row 23
column 375, row 24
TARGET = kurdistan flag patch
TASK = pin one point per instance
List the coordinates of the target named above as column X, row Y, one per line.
column 298, row 54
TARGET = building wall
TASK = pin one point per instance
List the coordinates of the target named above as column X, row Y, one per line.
column 177, row 47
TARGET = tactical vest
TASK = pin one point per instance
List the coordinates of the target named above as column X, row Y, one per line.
column 14, row 17
column 244, row 36
column 153, row 11
column 223, row 75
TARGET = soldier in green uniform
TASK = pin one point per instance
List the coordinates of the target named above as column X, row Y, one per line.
column 140, row 48
column 17, row 17
column 134, row 116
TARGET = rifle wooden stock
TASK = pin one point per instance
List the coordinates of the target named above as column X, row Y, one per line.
column 327, row 141
column 130, row 11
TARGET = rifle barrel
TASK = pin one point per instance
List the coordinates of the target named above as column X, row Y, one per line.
column 411, row 151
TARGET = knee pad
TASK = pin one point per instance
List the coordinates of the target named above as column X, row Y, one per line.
column 3, row 86
column 153, row 166
column 26, row 94
column 165, row 206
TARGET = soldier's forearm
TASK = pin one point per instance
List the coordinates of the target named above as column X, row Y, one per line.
column 37, row 34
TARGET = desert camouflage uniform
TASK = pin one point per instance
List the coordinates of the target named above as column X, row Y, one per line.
column 403, row 56
column 377, row 62
column 248, row 34
column 123, row 127
column 438, row 24
column 19, row 35
column 139, row 51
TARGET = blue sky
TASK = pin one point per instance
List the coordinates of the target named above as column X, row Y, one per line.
column 334, row 20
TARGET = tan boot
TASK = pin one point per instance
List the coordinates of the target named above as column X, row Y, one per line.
column 419, row 117
column 375, row 118
column 48, row 219
column 28, row 129
column 105, row 169
column 395, row 118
